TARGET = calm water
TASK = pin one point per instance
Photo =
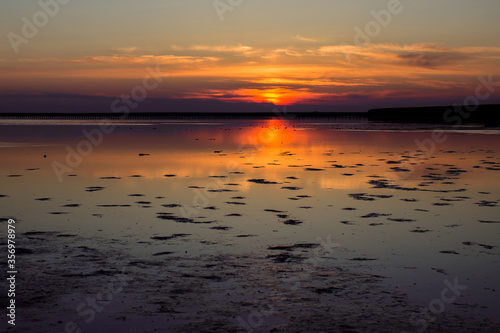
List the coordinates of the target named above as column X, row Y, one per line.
column 281, row 182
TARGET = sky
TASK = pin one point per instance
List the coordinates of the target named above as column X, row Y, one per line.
column 343, row 54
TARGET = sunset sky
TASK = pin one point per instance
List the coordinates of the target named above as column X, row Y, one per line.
column 285, row 52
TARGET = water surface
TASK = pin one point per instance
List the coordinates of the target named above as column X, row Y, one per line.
column 396, row 202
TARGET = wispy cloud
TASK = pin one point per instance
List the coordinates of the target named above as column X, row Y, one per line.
column 431, row 59
column 428, row 55
column 222, row 48
column 126, row 60
column 304, row 39
column 126, row 49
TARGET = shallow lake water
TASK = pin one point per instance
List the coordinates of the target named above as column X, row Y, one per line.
column 414, row 204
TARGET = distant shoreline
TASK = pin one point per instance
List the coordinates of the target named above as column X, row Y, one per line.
column 485, row 114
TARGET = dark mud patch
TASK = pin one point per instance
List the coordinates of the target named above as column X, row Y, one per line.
column 451, row 199
column 24, row 251
column 162, row 253
column 66, row 236
column 368, row 197
column 221, row 190
column 291, row 188
column 294, row 246
column 383, row 183
column 163, row 238
column 40, row 233
column 328, row 290
column 286, row 257
column 399, row 169
column 292, row 222
column 233, row 214
column 220, row 228
column 400, row 219
column 486, row 203
column 94, row 188
column 179, row 219
column 448, row 252
column 43, row 199
column 418, row 230
column 372, row 215
column 361, row 196
column 363, row 259
column 235, row 203
column 488, row 247
column 439, row 270
column 261, row 181
column 441, row 204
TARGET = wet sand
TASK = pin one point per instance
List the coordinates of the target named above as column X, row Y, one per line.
column 208, row 293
